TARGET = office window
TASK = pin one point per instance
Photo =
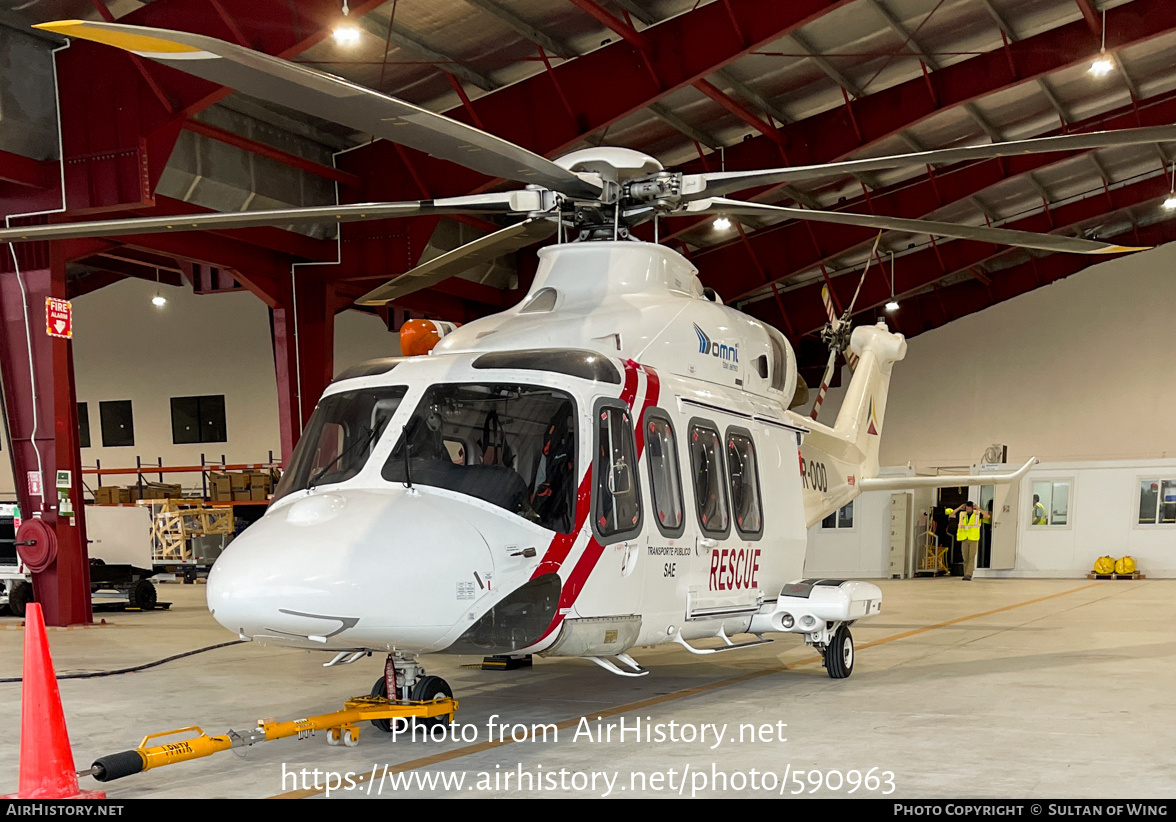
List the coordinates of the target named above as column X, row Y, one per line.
column 1050, row 504
column 83, row 425
column 118, row 424
column 1157, row 501
column 198, row 419
column 841, row 518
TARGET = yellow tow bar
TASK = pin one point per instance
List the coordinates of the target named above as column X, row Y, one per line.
column 342, row 728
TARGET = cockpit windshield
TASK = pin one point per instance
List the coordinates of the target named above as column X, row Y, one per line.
column 510, row 445
column 339, row 438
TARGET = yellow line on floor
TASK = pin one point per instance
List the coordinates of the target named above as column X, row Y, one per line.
column 957, row 620
column 458, row 753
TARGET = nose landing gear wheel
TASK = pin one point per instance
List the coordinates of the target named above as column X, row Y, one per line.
column 381, row 689
column 839, row 654
column 430, row 689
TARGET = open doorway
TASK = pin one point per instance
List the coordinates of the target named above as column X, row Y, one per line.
column 984, row 550
column 950, row 498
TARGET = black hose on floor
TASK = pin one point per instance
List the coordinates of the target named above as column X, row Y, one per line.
column 133, row 669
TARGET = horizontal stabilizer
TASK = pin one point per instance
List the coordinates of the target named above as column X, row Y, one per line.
column 943, row 481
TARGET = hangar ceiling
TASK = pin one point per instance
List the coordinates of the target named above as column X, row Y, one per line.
column 700, row 85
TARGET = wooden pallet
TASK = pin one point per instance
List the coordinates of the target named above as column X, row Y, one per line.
column 1136, row 575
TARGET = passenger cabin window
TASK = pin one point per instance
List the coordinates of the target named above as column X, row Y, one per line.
column 745, row 492
column 710, row 485
column 616, row 509
column 339, row 438
column 510, row 445
column 665, row 483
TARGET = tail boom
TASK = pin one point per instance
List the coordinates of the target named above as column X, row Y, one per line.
column 834, row 460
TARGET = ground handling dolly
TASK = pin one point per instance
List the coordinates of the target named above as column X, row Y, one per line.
column 342, row 728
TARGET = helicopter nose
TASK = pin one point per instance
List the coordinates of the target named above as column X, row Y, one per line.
column 352, row 570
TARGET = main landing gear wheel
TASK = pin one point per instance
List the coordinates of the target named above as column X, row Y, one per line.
column 431, row 689
column 839, row 654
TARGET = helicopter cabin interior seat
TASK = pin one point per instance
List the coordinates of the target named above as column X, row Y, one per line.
column 430, row 463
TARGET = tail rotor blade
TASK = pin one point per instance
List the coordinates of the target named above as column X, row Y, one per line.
column 824, row 383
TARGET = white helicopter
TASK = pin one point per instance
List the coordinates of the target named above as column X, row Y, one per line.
column 613, row 463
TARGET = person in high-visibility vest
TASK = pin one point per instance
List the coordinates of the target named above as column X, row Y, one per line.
column 968, row 532
column 1039, row 517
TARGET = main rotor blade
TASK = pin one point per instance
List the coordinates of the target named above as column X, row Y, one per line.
column 332, row 98
column 511, row 202
column 999, row 236
column 462, row 258
column 724, row 182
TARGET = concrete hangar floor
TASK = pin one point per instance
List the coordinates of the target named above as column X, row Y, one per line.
column 987, row 689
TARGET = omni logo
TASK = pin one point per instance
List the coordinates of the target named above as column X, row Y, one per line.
column 727, row 354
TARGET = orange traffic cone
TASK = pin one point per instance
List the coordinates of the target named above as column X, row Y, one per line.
column 46, row 762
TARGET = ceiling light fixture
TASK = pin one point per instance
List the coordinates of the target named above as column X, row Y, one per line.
column 159, row 301
column 721, row 223
column 1102, row 65
column 1170, row 200
column 346, row 34
column 892, row 306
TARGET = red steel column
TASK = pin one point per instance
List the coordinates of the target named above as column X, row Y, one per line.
column 51, row 443
column 304, row 348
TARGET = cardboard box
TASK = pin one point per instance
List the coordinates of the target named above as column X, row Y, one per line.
column 109, row 495
column 220, row 487
column 259, row 479
column 240, row 481
column 154, row 490
column 258, row 494
column 241, row 495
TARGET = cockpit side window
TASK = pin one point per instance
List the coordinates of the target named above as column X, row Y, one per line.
column 510, row 445
column 616, row 503
column 339, row 437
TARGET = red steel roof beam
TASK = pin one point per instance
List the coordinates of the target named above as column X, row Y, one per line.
column 830, row 135
column 25, row 171
column 264, row 150
column 1090, row 15
column 914, row 271
column 681, row 51
column 788, row 248
column 607, row 85
column 971, row 296
column 630, row 34
column 739, row 110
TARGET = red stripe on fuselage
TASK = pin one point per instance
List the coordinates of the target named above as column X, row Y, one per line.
column 652, row 389
column 593, row 550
